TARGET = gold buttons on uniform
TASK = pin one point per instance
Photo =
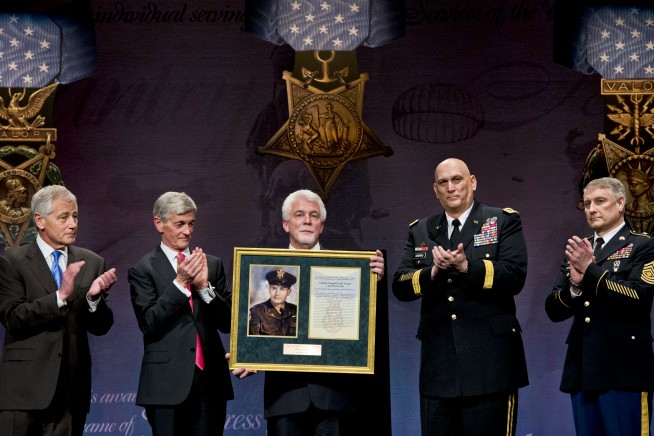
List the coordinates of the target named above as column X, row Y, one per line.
column 587, row 320
column 449, row 281
column 633, row 338
column 450, row 298
column 453, row 317
column 487, row 255
column 586, row 303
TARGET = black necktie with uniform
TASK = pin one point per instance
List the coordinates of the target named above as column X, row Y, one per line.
column 456, row 234
column 599, row 242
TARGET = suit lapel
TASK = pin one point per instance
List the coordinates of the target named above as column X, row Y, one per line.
column 472, row 225
column 162, row 265
column 39, row 268
column 437, row 228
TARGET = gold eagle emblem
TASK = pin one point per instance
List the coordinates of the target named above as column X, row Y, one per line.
column 19, row 115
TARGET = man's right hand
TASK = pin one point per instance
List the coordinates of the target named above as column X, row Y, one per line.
column 68, row 279
column 188, row 268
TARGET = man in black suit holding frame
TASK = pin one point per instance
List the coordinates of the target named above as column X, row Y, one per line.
column 299, row 403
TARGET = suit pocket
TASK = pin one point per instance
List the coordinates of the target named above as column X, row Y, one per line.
column 486, row 251
column 504, row 325
column 156, row 357
column 628, row 333
column 18, row 354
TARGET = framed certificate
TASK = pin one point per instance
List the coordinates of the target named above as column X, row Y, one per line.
column 303, row 310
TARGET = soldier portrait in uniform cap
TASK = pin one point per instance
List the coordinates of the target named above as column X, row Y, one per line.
column 276, row 316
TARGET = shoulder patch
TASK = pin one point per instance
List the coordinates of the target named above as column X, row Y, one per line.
column 413, row 223
column 639, row 233
column 509, row 210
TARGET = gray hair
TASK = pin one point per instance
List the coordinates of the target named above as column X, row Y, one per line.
column 43, row 198
column 173, row 203
column 615, row 186
column 303, row 194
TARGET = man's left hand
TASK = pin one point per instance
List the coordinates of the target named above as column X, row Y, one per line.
column 450, row 259
column 200, row 281
column 580, row 254
column 102, row 284
column 377, row 264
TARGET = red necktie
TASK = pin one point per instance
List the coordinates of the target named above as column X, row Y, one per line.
column 199, row 355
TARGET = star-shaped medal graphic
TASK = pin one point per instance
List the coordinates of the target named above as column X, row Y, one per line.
column 325, row 130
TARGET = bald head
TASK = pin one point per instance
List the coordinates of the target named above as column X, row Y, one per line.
column 450, row 163
column 454, row 186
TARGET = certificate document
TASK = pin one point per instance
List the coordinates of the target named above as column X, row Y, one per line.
column 334, row 303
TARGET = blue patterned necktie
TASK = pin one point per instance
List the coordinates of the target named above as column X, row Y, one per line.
column 56, row 269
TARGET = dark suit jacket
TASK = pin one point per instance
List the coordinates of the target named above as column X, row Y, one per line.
column 39, row 336
column 610, row 341
column 169, row 328
column 285, row 393
column 471, row 343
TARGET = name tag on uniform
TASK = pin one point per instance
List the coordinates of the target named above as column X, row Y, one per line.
column 420, row 252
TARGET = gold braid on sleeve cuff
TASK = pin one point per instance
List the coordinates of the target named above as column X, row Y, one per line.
column 415, row 279
column 557, row 296
column 490, row 274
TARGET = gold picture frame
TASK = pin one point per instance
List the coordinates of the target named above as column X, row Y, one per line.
column 327, row 323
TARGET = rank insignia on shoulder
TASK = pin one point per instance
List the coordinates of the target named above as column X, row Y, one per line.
column 509, row 210
column 648, row 273
column 413, row 223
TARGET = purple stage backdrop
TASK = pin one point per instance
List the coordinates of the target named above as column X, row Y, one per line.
column 183, row 96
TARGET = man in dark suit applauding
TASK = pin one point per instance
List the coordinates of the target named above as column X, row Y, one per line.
column 181, row 300
column 51, row 295
column 606, row 287
column 466, row 264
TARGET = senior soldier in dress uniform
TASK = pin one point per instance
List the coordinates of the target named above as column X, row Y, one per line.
column 606, row 287
column 275, row 316
column 466, row 264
